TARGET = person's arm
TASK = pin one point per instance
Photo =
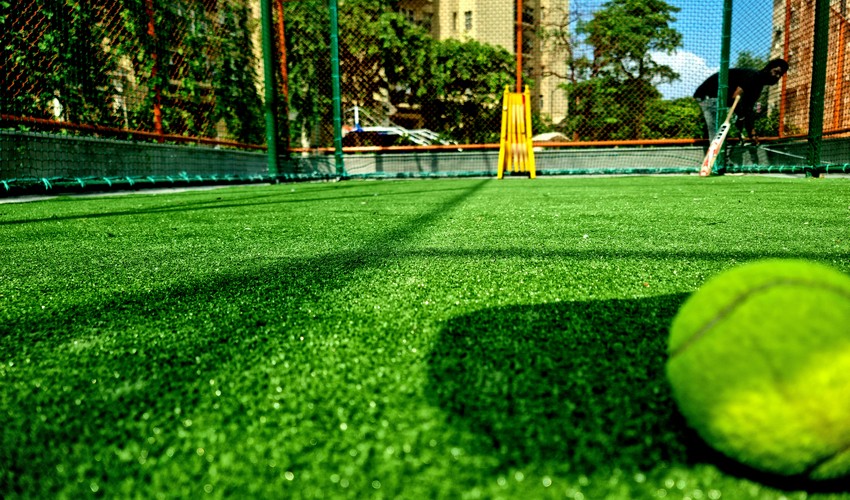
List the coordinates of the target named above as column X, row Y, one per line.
column 746, row 120
column 739, row 122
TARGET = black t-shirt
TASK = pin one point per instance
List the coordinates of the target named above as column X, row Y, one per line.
column 750, row 80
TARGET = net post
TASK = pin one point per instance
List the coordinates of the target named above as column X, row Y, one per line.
column 503, row 136
column 529, row 145
column 155, row 76
column 723, row 75
column 816, row 100
column 337, row 100
column 284, row 77
column 786, row 52
column 270, row 90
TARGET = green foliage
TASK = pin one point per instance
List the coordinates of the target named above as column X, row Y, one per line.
column 237, row 99
column 605, row 108
column 466, row 90
column 57, row 68
column 100, row 65
column 679, row 118
column 406, row 58
column 767, row 124
column 387, row 62
column 139, row 53
column 613, row 86
column 748, row 60
column 206, row 70
column 308, row 58
column 16, row 55
column 625, row 32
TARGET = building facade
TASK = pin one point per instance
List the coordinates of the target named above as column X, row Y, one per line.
column 793, row 28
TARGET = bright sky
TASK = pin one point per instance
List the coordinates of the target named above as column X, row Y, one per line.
column 699, row 22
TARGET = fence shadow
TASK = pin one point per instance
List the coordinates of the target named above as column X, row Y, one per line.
column 580, row 384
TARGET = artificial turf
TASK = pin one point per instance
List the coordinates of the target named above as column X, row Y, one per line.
column 454, row 338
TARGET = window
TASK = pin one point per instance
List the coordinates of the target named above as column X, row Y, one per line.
column 467, row 20
column 528, row 15
column 454, row 22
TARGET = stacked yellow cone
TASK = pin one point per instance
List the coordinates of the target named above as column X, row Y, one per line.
column 515, row 149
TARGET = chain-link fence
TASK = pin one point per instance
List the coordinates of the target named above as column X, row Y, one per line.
column 149, row 89
column 86, row 84
column 181, row 71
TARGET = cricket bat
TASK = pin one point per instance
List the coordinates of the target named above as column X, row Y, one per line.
column 717, row 142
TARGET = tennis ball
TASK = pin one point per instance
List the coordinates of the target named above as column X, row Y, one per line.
column 759, row 364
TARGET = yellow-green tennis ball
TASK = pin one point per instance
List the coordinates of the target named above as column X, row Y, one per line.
column 759, row 364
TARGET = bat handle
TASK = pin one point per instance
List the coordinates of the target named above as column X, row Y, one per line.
column 732, row 109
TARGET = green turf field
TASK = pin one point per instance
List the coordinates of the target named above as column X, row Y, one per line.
column 379, row 339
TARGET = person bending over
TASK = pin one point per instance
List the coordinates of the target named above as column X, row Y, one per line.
column 747, row 83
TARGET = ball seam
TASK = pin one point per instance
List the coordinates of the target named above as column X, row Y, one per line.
column 736, row 302
column 819, row 463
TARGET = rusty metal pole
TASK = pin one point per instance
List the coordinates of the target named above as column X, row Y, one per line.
column 157, row 103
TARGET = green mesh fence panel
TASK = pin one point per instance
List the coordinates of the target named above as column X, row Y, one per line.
column 148, row 91
column 129, row 92
column 37, row 158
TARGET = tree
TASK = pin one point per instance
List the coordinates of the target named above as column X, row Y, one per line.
column 611, row 84
column 368, row 73
column 464, row 93
column 237, row 99
column 54, row 65
column 679, row 118
column 308, row 57
column 389, row 63
column 747, row 59
column 456, row 86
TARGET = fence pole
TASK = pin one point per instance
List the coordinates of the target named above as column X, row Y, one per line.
column 157, row 88
column 723, row 75
column 337, row 104
column 281, row 36
column 284, row 78
column 816, row 101
column 838, row 92
column 518, row 46
column 786, row 52
column 270, row 89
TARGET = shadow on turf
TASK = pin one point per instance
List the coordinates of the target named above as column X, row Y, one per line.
column 786, row 483
column 578, row 383
column 229, row 201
